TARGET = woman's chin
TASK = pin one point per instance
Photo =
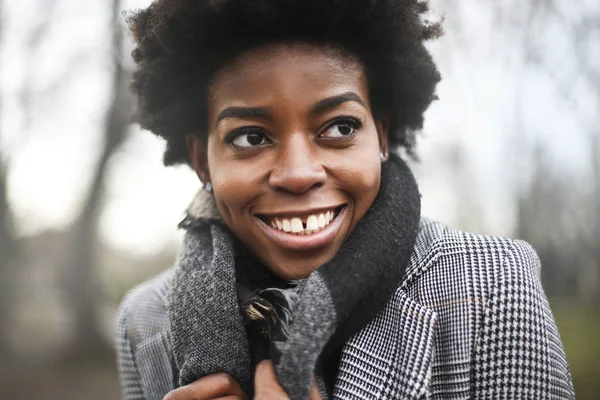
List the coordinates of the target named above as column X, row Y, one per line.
column 293, row 265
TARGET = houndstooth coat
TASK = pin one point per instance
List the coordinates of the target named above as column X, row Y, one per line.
column 470, row 320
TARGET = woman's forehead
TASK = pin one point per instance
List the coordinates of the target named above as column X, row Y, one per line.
column 302, row 72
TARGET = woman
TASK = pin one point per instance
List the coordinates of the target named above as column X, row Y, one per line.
column 307, row 270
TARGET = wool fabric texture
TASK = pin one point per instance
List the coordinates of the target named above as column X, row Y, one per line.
column 333, row 303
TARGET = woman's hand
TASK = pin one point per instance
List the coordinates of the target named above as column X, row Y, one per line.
column 213, row 387
column 267, row 386
column 223, row 387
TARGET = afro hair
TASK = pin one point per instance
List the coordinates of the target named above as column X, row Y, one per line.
column 180, row 44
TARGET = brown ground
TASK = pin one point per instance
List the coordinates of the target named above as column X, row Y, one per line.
column 90, row 381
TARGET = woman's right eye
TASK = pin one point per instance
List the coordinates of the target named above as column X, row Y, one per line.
column 247, row 139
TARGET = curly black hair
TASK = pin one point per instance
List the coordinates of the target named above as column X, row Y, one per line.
column 180, row 44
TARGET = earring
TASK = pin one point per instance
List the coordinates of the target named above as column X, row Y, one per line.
column 382, row 156
column 208, row 187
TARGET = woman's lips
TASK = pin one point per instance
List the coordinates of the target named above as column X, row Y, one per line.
column 295, row 241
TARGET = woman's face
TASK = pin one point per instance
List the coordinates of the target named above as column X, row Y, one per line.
column 293, row 153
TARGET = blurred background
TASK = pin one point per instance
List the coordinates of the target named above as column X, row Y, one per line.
column 87, row 210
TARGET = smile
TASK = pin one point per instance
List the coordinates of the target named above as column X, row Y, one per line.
column 303, row 225
column 303, row 230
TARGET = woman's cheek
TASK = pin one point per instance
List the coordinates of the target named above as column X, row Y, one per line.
column 361, row 175
column 231, row 191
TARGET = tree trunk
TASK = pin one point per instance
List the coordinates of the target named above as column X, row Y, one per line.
column 8, row 251
column 82, row 283
column 8, row 245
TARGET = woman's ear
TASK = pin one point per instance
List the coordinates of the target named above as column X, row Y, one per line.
column 381, row 124
column 197, row 151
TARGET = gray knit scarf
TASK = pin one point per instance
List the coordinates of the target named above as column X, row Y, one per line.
column 333, row 303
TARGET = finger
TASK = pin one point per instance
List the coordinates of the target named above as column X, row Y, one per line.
column 265, row 372
column 266, row 385
column 315, row 394
column 208, row 388
column 230, row 398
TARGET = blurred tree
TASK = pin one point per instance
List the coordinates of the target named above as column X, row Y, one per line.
column 544, row 220
column 555, row 41
column 82, row 283
column 8, row 251
column 8, row 244
column 566, row 236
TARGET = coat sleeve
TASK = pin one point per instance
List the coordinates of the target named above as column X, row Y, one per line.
column 129, row 376
column 519, row 353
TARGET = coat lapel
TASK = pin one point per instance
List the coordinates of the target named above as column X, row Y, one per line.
column 391, row 357
column 414, row 350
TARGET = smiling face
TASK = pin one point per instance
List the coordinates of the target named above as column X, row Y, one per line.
column 293, row 152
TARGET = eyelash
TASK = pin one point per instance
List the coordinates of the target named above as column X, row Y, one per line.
column 355, row 123
column 231, row 136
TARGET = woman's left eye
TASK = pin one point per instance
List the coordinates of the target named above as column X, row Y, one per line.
column 341, row 129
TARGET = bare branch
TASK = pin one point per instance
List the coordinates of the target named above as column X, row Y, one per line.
column 81, row 287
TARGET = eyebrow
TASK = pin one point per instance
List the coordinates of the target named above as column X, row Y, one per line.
column 335, row 101
column 242, row 112
column 261, row 112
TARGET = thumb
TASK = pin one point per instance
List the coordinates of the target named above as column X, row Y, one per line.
column 266, row 385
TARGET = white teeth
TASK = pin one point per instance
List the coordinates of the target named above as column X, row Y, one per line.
column 297, row 225
column 312, row 223
column 321, row 221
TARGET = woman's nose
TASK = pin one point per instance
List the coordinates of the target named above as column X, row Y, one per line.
column 298, row 167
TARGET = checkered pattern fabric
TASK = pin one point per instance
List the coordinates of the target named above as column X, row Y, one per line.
column 469, row 321
column 144, row 354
